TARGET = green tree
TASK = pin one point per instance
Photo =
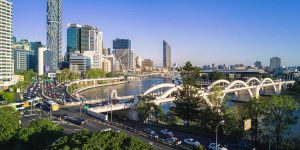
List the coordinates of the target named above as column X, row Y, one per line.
column 9, row 123
column 148, row 110
column 40, row 134
column 8, row 97
column 87, row 140
column 216, row 75
column 67, row 75
column 188, row 100
column 255, row 110
column 211, row 116
column 109, row 75
column 279, row 116
column 94, row 73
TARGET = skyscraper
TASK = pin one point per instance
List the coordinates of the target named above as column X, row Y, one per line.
column 90, row 39
column 166, row 55
column 73, row 39
column 121, row 44
column 124, row 54
column 54, row 30
column 35, row 47
column 275, row 62
column 6, row 52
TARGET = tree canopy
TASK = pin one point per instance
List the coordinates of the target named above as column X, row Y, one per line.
column 87, row 140
column 39, row 134
column 94, row 73
column 9, row 123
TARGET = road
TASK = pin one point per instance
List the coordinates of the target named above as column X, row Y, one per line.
column 98, row 125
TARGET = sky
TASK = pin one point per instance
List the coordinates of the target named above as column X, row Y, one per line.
column 200, row 31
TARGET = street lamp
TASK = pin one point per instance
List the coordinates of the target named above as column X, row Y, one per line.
column 221, row 122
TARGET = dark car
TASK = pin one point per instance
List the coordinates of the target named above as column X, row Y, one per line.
column 64, row 116
column 77, row 121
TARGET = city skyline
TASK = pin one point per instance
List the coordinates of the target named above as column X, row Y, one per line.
column 215, row 31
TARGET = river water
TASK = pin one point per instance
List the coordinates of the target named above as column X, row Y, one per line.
column 137, row 87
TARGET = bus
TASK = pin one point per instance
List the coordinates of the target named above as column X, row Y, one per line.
column 51, row 105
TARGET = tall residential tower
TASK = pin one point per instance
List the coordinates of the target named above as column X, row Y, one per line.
column 166, row 55
column 6, row 52
column 54, row 31
column 275, row 62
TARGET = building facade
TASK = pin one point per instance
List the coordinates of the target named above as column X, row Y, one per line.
column 6, row 52
column 35, row 47
column 121, row 44
column 79, row 63
column 54, row 30
column 166, row 55
column 73, row 39
column 91, row 39
column 275, row 62
column 23, row 60
column 124, row 55
column 147, row 64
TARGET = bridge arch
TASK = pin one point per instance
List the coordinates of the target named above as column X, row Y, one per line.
column 159, row 86
column 244, row 94
column 268, row 91
column 170, row 91
column 218, row 82
column 253, row 79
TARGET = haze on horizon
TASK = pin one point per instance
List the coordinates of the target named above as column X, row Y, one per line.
column 200, row 31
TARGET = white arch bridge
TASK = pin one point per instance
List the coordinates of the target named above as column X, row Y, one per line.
column 242, row 91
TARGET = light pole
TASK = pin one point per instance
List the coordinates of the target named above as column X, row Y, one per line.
column 221, row 122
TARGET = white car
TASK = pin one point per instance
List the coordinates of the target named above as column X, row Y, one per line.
column 191, row 142
column 212, row 146
column 173, row 140
column 150, row 131
column 166, row 132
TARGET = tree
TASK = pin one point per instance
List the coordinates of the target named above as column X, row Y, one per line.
column 67, row 75
column 87, row 140
column 9, row 123
column 40, row 134
column 212, row 115
column 255, row 110
column 148, row 110
column 216, row 75
column 8, row 97
column 94, row 73
column 279, row 116
column 188, row 100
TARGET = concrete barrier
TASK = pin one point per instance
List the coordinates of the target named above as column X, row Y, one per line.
column 97, row 115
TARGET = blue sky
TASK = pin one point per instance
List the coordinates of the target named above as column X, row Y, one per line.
column 201, row 31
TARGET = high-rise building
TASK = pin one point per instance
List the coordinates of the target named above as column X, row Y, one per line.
column 35, row 47
column 54, row 31
column 23, row 60
column 124, row 55
column 258, row 65
column 73, row 39
column 139, row 61
column 6, row 52
column 121, row 44
column 91, row 39
column 166, row 55
column 275, row 62
column 79, row 63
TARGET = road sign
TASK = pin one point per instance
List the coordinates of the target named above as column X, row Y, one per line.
column 247, row 124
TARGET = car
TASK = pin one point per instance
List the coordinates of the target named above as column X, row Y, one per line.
column 173, row 140
column 64, row 116
column 212, row 146
column 191, row 142
column 79, row 121
column 154, row 136
column 150, row 131
column 166, row 132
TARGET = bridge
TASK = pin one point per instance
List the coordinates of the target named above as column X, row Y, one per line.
column 243, row 91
